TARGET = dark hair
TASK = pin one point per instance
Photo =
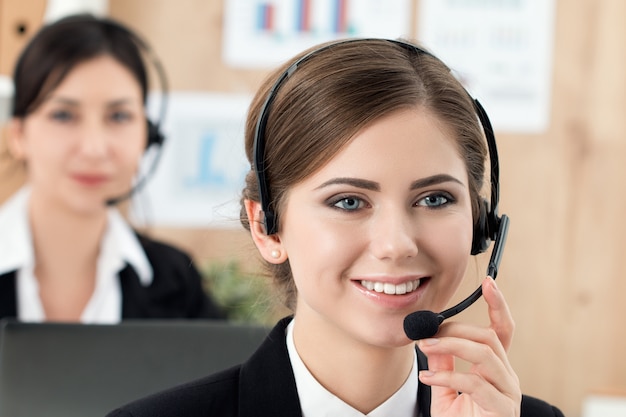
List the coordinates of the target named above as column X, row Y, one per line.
column 335, row 94
column 58, row 47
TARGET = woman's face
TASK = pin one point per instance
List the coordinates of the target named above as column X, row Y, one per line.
column 382, row 230
column 82, row 145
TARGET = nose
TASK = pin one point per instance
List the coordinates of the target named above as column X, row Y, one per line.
column 393, row 235
column 94, row 141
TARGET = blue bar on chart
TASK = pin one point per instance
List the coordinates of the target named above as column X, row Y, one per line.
column 303, row 16
column 265, row 17
column 340, row 17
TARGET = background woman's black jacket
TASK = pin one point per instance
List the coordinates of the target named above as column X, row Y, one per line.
column 263, row 386
column 175, row 292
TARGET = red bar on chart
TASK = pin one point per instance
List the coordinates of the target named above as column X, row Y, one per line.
column 341, row 16
column 303, row 15
column 265, row 17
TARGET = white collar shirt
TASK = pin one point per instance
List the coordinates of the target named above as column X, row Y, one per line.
column 118, row 247
column 317, row 401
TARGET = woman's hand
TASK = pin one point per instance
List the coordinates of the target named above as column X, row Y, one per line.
column 490, row 387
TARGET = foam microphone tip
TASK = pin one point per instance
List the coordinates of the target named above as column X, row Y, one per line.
column 422, row 324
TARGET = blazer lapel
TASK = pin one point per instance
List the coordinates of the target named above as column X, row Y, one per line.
column 423, row 391
column 267, row 386
column 8, row 295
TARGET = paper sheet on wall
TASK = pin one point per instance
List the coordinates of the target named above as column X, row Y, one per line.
column 201, row 170
column 502, row 52
column 265, row 33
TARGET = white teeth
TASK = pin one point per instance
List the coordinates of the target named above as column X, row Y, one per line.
column 388, row 288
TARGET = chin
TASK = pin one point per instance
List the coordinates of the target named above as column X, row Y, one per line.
column 88, row 207
column 392, row 341
column 389, row 335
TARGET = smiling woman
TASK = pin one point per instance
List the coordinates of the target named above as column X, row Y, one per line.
column 79, row 128
column 374, row 211
column 367, row 157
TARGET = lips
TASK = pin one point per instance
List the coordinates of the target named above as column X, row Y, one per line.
column 90, row 179
column 392, row 289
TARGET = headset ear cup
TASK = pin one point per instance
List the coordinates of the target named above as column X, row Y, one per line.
column 155, row 137
column 481, row 238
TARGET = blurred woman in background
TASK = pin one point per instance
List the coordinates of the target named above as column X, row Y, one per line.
column 79, row 127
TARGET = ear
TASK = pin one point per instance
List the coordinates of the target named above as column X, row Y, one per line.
column 269, row 246
column 15, row 138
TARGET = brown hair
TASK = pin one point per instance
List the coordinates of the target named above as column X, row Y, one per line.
column 57, row 48
column 60, row 46
column 332, row 96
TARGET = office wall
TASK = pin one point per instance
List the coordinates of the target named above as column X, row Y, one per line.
column 564, row 189
column 19, row 20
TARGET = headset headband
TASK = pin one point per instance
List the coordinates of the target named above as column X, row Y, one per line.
column 269, row 215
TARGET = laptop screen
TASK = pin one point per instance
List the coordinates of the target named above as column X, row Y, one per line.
column 55, row 369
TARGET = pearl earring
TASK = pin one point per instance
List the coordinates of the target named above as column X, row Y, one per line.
column 275, row 254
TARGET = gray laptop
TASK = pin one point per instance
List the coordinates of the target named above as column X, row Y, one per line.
column 53, row 369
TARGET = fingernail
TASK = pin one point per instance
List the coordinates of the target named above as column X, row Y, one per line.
column 426, row 373
column 429, row 342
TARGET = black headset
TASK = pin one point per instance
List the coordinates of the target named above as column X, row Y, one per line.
column 487, row 224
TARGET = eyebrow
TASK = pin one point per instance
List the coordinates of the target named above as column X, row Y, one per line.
column 355, row 182
column 64, row 100
column 374, row 186
column 76, row 103
column 434, row 180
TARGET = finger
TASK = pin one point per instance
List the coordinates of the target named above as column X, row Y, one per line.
column 436, row 361
column 483, row 394
column 440, row 394
column 478, row 334
column 484, row 360
column 499, row 314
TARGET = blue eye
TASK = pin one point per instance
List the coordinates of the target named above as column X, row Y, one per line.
column 62, row 115
column 435, row 201
column 349, row 203
column 120, row 116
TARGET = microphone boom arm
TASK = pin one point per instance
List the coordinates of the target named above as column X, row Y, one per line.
column 492, row 271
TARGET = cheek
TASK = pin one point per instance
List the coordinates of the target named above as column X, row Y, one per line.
column 130, row 155
column 47, row 153
column 129, row 142
column 456, row 239
column 317, row 247
column 450, row 248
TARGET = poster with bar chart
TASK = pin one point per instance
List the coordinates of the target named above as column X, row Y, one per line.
column 265, row 33
column 202, row 168
column 501, row 50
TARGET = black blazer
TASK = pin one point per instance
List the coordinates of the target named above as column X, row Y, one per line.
column 263, row 386
column 175, row 292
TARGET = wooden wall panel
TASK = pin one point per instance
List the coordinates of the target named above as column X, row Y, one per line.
column 19, row 20
column 563, row 270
